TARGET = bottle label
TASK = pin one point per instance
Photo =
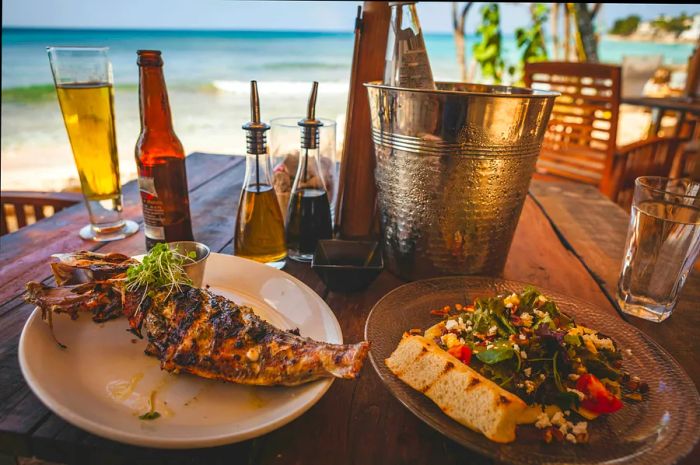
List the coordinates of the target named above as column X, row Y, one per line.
column 153, row 211
column 414, row 66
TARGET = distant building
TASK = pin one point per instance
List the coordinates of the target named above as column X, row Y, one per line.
column 693, row 33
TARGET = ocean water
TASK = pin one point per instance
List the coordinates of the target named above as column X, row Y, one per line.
column 207, row 74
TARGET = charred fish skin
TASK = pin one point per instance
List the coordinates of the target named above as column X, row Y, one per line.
column 198, row 332
column 102, row 299
column 193, row 330
column 84, row 267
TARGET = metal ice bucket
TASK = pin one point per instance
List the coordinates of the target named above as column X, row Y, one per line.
column 453, row 169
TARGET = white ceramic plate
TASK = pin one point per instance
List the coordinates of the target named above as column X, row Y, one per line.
column 102, row 382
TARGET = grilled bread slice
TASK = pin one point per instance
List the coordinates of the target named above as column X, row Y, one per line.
column 461, row 392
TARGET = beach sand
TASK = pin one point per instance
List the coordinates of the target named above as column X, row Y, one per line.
column 205, row 121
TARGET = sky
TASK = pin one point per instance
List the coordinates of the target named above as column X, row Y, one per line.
column 264, row 15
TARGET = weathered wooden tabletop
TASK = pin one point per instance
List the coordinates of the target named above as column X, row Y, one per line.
column 570, row 238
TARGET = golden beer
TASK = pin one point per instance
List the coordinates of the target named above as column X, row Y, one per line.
column 89, row 118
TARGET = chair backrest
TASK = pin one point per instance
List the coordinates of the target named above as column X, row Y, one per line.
column 692, row 81
column 649, row 157
column 636, row 71
column 580, row 140
column 37, row 204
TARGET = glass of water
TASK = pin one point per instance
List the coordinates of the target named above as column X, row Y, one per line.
column 663, row 242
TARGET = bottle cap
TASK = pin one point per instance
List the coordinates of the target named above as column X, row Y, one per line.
column 255, row 137
column 310, row 125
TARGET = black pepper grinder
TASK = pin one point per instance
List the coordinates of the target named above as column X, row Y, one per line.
column 309, row 212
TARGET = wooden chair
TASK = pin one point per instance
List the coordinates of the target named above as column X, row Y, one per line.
column 581, row 136
column 39, row 204
column 649, row 157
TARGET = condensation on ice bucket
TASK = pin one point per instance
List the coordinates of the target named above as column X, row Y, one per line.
column 453, row 168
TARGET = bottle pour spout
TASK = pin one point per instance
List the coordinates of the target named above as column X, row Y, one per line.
column 310, row 125
column 255, row 129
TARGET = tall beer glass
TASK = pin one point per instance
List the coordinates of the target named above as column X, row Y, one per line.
column 663, row 243
column 83, row 79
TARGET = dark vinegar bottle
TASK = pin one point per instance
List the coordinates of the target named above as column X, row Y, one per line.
column 160, row 159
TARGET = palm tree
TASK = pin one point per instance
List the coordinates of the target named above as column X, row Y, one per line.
column 458, row 25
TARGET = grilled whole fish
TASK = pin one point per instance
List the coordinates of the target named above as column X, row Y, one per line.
column 195, row 331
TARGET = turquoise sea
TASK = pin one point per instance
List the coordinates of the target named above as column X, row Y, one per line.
column 208, row 74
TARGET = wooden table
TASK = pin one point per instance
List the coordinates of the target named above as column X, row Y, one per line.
column 660, row 105
column 570, row 238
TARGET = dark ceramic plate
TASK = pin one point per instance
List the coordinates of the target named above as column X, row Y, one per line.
column 658, row 431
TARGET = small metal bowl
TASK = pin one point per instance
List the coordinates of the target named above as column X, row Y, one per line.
column 347, row 266
column 195, row 270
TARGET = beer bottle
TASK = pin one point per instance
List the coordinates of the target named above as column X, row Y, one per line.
column 160, row 159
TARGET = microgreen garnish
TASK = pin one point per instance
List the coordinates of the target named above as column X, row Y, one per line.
column 161, row 267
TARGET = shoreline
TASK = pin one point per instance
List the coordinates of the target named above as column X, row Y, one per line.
column 647, row 39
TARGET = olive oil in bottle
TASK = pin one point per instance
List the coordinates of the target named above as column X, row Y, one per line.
column 259, row 233
column 309, row 212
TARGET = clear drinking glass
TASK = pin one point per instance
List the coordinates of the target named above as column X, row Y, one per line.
column 284, row 152
column 84, row 85
column 663, row 243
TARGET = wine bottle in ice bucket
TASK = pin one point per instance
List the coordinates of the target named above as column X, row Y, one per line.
column 407, row 63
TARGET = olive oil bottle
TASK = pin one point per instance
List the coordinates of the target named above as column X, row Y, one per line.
column 259, row 233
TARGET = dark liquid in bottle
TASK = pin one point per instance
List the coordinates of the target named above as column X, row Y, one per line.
column 308, row 220
column 169, row 208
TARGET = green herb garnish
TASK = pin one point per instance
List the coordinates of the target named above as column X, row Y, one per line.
column 152, row 414
column 161, row 267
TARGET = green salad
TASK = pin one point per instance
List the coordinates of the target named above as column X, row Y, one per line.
column 525, row 344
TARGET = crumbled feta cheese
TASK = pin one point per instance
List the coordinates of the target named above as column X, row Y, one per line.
column 523, row 355
column 543, row 421
column 574, row 376
column 580, row 428
column 529, row 386
column 580, row 394
column 527, row 371
column 509, row 305
column 540, row 313
column 567, row 412
column 451, row 324
column 469, row 329
column 542, row 376
column 526, row 319
column 599, row 343
column 571, row 438
column 489, row 346
column 558, row 419
column 522, row 337
column 493, row 330
column 516, row 347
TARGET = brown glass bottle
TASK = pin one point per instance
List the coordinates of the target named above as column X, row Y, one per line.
column 160, row 159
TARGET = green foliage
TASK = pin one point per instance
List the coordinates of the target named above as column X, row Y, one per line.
column 675, row 25
column 531, row 41
column 626, row 26
column 488, row 52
